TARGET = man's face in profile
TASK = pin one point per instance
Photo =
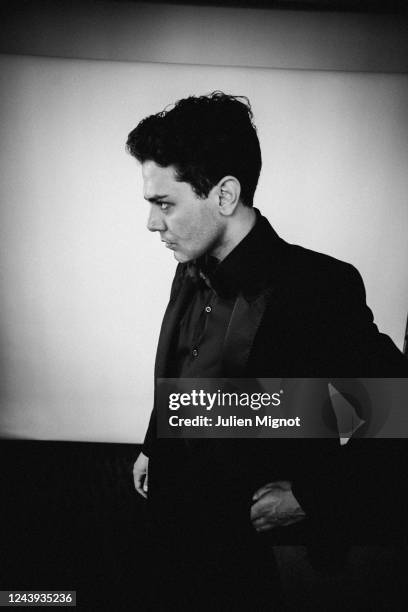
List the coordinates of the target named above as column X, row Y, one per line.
column 188, row 225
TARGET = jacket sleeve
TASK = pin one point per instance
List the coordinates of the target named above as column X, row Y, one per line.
column 150, row 436
column 356, row 491
column 373, row 354
column 151, row 433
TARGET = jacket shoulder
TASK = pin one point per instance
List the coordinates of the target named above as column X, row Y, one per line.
column 316, row 260
column 318, row 270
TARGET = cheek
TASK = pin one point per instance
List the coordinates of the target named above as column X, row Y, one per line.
column 185, row 232
column 191, row 229
column 195, row 229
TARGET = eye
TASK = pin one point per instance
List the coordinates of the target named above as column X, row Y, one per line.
column 163, row 205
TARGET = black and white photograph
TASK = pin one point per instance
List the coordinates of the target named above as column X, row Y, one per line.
column 204, row 305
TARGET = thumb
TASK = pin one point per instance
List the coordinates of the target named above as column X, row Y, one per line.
column 262, row 491
column 282, row 484
column 146, row 482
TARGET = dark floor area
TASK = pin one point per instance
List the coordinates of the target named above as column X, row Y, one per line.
column 70, row 519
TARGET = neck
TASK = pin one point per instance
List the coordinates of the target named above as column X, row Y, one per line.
column 239, row 225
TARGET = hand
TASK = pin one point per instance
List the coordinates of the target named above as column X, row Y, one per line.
column 275, row 506
column 140, row 474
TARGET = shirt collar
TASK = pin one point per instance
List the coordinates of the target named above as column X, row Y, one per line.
column 247, row 268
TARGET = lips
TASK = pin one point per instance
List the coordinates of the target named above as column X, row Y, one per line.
column 169, row 245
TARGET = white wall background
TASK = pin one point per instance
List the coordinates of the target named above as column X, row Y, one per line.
column 83, row 285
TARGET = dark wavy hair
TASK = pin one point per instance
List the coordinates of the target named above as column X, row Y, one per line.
column 204, row 138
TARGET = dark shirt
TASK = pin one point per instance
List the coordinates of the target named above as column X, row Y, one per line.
column 203, row 327
column 199, row 335
column 204, row 324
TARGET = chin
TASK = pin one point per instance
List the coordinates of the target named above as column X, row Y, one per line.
column 185, row 257
column 181, row 257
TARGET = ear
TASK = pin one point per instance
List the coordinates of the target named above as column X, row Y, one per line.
column 228, row 192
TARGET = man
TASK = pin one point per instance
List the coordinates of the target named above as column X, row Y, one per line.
column 243, row 303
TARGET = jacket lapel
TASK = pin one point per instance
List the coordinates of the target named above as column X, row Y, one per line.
column 171, row 318
column 243, row 326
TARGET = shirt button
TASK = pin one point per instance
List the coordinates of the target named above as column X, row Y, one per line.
column 195, row 353
column 208, row 309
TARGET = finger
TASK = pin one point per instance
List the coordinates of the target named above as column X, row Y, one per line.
column 141, row 491
column 294, row 519
column 266, row 527
column 265, row 523
column 258, row 511
column 268, row 504
column 270, row 521
column 146, row 483
column 282, row 484
column 278, row 485
column 288, row 523
column 138, row 480
column 262, row 491
column 258, row 523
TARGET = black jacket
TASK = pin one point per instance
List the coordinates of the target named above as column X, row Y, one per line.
column 298, row 314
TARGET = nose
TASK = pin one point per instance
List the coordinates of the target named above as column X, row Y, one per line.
column 155, row 222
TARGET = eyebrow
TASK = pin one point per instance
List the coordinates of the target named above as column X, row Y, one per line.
column 155, row 198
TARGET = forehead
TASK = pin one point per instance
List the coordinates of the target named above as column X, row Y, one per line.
column 158, row 180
